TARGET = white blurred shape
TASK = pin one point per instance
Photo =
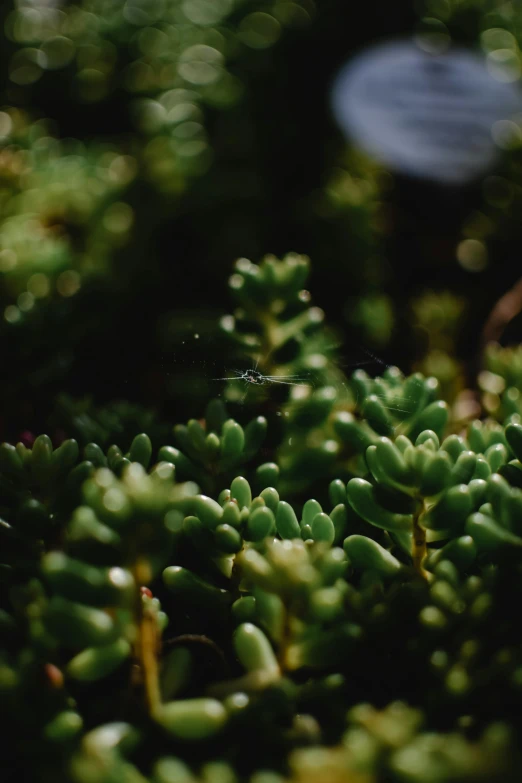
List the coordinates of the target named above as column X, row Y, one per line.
column 425, row 115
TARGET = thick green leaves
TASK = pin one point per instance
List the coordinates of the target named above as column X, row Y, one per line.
column 451, row 510
column 76, row 625
column 392, row 463
column 460, row 551
column 203, row 507
column 231, row 514
column 271, row 498
column 359, row 435
column 192, row 719
column 310, row 510
column 267, row 475
column 63, row 458
column 490, row 537
column 197, row 434
column 454, row 446
column 232, row 440
column 244, row 609
column 193, row 589
column 93, row 453
column 184, row 467
column 41, row 459
column 322, row 528
column 435, row 473
column 228, row 539
column 11, row 463
column 326, row 604
column 464, row 468
column 254, row 650
column 141, row 450
column 286, row 521
column 88, row 584
column 241, row 492
column 85, row 527
column 94, row 663
column 261, row 523
column 215, row 415
column 362, row 498
column 377, row 415
column 433, row 417
column 366, row 554
column 337, row 492
column 63, row 727
column 496, row 455
column 514, row 438
column 255, row 432
column 339, row 517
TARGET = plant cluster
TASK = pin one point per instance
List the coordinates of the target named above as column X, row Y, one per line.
column 315, row 577
column 196, row 613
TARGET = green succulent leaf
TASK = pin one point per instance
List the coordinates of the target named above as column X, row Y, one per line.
column 362, row 498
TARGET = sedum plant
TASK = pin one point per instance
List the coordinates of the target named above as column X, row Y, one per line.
column 336, row 581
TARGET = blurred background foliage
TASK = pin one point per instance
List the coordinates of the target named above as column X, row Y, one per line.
column 146, row 144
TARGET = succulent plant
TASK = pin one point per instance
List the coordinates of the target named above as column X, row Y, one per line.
column 197, row 595
column 315, row 576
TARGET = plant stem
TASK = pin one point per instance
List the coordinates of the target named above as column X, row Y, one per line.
column 285, row 640
column 147, row 644
column 419, row 542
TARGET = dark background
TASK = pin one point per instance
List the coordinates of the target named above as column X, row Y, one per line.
column 128, row 338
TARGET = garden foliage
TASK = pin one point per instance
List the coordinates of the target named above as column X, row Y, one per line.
column 316, row 578
column 196, row 613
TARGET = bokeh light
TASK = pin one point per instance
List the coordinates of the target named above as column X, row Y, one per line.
column 472, row 255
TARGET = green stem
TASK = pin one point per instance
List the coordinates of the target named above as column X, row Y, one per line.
column 285, row 640
column 147, row 644
column 419, row 542
column 268, row 338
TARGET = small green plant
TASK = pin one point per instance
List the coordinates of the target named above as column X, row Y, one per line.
column 164, row 605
